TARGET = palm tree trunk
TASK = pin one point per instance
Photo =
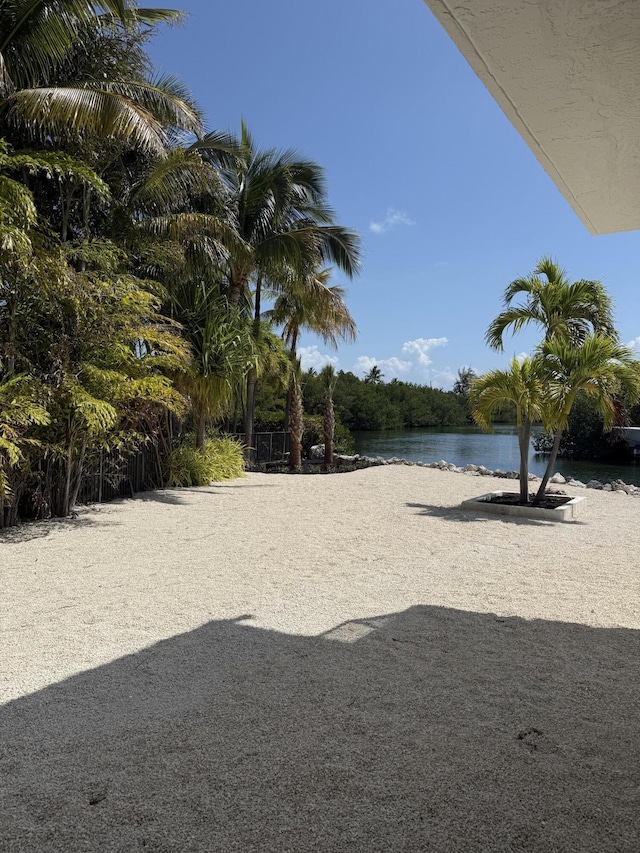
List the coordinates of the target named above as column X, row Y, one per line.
column 287, row 405
column 329, row 425
column 524, row 436
column 201, row 434
column 550, row 464
column 252, row 382
column 297, row 427
column 252, row 378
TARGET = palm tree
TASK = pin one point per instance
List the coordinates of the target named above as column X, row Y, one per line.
column 282, row 219
column 521, row 385
column 57, row 75
column 311, row 304
column 600, row 367
column 565, row 310
column 328, row 376
column 374, row 376
column 283, row 227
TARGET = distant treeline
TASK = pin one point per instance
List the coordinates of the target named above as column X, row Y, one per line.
column 366, row 404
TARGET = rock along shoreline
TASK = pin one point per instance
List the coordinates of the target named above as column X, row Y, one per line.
column 481, row 471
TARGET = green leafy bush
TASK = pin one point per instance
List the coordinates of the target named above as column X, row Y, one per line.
column 221, row 460
column 343, row 441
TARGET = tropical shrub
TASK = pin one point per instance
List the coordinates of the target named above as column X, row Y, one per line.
column 222, row 459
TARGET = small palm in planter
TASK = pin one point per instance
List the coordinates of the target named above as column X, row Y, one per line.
column 521, row 385
column 601, row 367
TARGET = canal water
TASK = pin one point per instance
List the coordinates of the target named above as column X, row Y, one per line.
column 462, row 445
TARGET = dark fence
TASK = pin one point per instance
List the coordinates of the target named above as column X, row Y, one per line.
column 118, row 475
column 266, row 446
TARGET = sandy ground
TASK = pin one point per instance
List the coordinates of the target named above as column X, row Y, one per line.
column 321, row 664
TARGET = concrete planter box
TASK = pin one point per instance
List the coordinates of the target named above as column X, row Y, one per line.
column 565, row 512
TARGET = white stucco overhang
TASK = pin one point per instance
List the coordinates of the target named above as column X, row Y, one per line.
column 567, row 75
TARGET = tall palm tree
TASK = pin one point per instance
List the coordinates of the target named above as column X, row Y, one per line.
column 564, row 310
column 52, row 87
column 521, row 385
column 600, row 367
column 283, row 220
column 283, row 227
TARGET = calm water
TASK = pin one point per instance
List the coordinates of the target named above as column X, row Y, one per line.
column 462, row 445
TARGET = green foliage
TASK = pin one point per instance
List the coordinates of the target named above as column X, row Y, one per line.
column 221, row 460
column 343, row 441
column 584, row 436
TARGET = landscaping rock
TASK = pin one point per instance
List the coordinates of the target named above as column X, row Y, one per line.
column 576, row 484
column 557, row 478
column 442, row 464
column 317, row 451
column 595, row 484
column 470, row 467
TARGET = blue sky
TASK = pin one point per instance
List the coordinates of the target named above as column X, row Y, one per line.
column 450, row 202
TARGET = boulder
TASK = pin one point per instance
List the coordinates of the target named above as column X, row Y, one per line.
column 595, row 484
column 442, row 464
column 317, row 451
column 576, row 484
column 619, row 486
column 470, row 467
column 557, row 478
column 486, row 472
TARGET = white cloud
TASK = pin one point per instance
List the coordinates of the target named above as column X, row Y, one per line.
column 312, row 357
column 420, row 348
column 443, row 379
column 416, row 364
column 393, row 219
column 634, row 344
column 391, row 367
column 521, row 356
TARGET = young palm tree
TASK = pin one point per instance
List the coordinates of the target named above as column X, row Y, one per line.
column 329, row 377
column 521, row 385
column 565, row 310
column 600, row 367
column 311, row 304
column 221, row 347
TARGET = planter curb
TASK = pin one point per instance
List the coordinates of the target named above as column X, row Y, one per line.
column 564, row 512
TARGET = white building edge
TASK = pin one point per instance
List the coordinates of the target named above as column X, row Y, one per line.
column 567, row 75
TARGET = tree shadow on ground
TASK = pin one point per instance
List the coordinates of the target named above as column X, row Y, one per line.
column 28, row 530
column 431, row 729
column 455, row 513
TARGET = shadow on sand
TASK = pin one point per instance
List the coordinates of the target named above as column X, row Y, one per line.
column 455, row 513
column 427, row 730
